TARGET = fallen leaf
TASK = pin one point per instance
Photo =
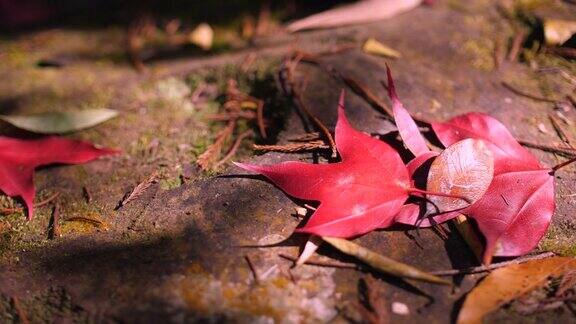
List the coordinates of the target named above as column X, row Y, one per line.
column 202, row 36
column 374, row 47
column 361, row 12
column 19, row 158
column 382, row 263
column 521, row 192
column 508, row 283
column 465, row 169
column 558, row 31
column 60, row 122
column 407, row 127
column 357, row 195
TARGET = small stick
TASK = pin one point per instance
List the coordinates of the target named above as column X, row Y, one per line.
column 362, row 90
column 19, row 311
column 493, row 266
column 525, row 94
column 563, row 164
column 252, row 269
column 516, row 46
column 5, row 211
column 341, row 265
column 234, row 148
column 232, row 115
column 499, row 53
column 321, row 127
column 554, row 149
column 54, row 227
column 47, row 200
column 559, row 130
column 292, row 148
column 260, row 118
column 87, row 195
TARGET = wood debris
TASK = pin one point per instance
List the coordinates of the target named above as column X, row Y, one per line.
column 138, row 190
column 237, row 107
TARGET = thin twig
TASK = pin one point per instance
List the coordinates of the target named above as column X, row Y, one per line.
column 54, row 227
column 499, row 53
column 234, row 148
column 321, row 127
column 260, row 118
column 232, row 115
column 252, row 269
column 293, row 147
column 525, row 94
column 87, row 195
column 47, row 200
column 290, row 66
column 554, row 149
column 493, row 266
column 363, row 91
column 19, row 311
column 516, row 45
column 5, row 211
column 319, row 263
column 563, row 136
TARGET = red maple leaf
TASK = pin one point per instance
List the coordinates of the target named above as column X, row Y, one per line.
column 357, row 195
column 19, row 158
column 516, row 210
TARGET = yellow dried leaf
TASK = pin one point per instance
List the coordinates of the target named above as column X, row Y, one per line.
column 506, row 284
column 374, row 47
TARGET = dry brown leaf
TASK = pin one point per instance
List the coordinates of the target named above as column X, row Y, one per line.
column 506, row 284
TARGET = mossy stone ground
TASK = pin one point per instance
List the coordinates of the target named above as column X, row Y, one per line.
column 175, row 254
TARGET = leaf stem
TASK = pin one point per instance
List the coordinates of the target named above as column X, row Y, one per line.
column 439, row 194
column 563, row 164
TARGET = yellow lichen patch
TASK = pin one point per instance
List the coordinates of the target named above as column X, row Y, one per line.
column 481, row 52
column 273, row 297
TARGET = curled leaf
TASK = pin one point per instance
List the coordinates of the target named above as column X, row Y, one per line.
column 61, row 122
column 382, row 263
column 506, row 284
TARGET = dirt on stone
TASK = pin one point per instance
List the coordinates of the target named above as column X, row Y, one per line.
column 178, row 252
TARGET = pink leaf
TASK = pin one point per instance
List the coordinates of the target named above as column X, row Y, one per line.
column 19, row 158
column 356, row 13
column 407, row 127
column 516, row 210
column 357, row 195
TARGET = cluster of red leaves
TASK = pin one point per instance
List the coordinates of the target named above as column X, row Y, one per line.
column 19, row 158
column 508, row 193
